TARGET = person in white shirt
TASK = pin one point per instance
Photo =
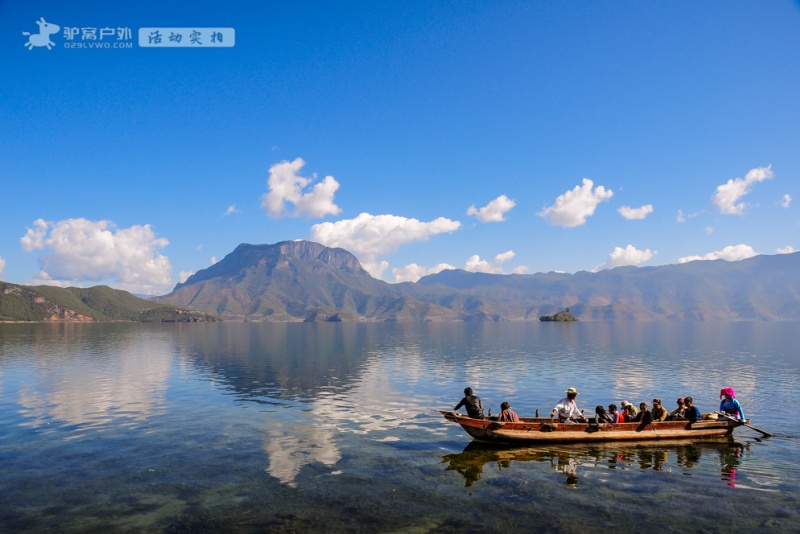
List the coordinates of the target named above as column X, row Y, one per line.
column 567, row 410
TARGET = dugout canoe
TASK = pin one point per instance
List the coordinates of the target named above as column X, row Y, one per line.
column 533, row 430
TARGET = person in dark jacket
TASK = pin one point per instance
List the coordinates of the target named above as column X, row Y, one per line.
column 602, row 416
column 691, row 414
column 472, row 403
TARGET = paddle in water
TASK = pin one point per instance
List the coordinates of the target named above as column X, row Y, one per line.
column 764, row 432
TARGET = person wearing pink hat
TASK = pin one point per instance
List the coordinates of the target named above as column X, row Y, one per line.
column 729, row 404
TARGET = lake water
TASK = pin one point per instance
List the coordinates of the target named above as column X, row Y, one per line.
column 243, row 427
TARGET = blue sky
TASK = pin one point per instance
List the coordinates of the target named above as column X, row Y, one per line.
column 493, row 136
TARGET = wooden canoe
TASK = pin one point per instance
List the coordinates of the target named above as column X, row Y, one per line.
column 531, row 430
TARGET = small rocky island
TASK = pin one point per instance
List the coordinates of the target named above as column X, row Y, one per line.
column 562, row 316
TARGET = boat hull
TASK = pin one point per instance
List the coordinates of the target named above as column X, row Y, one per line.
column 539, row 430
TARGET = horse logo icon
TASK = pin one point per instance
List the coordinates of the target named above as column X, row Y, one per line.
column 46, row 29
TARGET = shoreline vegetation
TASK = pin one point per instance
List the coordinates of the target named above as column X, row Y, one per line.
column 50, row 304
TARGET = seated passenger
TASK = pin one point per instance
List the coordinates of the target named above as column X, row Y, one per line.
column 472, row 403
column 602, row 416
column 658, row 412
column 678, row 413
column 692, row 414
column 567, row 410
column 643, row 416
column 507, row 414
column 629, row 410
column 616, row 416
column 729, row 404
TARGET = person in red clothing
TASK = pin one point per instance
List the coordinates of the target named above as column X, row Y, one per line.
column 617, row 416
column 507, row 414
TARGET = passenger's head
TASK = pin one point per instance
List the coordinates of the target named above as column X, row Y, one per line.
column 656, row 402
column 571, row 393
column 612, row 408
column 467, row 391
column 680, row 401
column 505, row 405
column 599, row 410
column 643, row 406
column 688, row 401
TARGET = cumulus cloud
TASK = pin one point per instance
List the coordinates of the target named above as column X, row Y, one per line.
column 286, row 185
column 34, row 237
column 413, row 272
column 494, row 211
column 2, row 265
column 786, row 201
column 784, row 250
column 231, row 210
column 575, row 206
column 375, row 268
column 476, row 265
column 83, row 251
column 368, row 236
column 184, row 275
column 728, row 195
column 636, row 213
column 629, row 255
column 729, row 253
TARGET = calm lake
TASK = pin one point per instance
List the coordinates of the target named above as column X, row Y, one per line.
column 245, row 427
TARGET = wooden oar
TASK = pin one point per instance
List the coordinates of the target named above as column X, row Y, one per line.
column 723, row 414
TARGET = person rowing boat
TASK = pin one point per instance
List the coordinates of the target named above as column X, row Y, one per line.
column 567, row 409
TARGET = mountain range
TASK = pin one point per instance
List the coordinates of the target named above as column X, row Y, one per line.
column 74, row 304
column 306, row 281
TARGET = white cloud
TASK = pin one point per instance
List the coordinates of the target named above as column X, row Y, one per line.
column 231, row 210
column 785, row 250
column 727, row 195
column 368, row 236
column 573, row 207
column 494, row 211
column 34, row 237
column 729, row 253
column 709, row 230
column 184, row 275
column 413, row 272
column 636, row 213
column 2, row 265
column 629, row 255
column 286, row 185
column 375, row 268
column 82, row 251
column 681, row 217
column 213, row 260
column 476, row 265
column 786, row 201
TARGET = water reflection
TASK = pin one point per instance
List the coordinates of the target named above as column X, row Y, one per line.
column 569, row 460
column 87, row 380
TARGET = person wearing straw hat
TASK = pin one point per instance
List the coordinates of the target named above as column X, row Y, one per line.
column 567, row 409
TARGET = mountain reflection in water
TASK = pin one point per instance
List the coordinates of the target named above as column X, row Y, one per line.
column 567, row 459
